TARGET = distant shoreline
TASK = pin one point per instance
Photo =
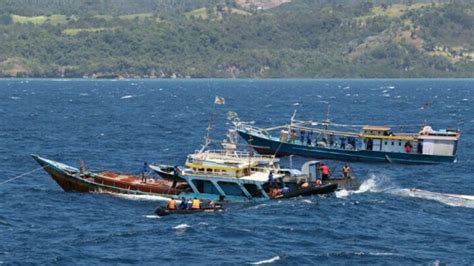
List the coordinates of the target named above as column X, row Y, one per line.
column 225, row 79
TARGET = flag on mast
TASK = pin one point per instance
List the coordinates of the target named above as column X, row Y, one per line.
column 219, row 100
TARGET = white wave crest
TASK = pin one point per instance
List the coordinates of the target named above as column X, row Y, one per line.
column 258, row 206
column 342, row 193
column 127, row 97
column 376, row 183
column 266, row 261
column 152, row 216
column 181, row 226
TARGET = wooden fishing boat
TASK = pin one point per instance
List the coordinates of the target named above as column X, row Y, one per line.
column 373, row 143
column 72, row 179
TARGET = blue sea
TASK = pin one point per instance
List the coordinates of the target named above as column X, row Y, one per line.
column 118, row 125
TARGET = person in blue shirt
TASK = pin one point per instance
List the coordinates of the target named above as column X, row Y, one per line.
column 343, row 143
column 309, row 138
column 285, row 190
column 270, row 179
column 184, row 203
column 145, row 172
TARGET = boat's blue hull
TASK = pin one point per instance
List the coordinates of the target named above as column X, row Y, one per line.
column 265, row 145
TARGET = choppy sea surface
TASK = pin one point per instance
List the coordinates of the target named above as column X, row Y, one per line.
column 118, row 125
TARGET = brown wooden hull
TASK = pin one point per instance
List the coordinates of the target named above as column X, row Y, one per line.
column 70, row 179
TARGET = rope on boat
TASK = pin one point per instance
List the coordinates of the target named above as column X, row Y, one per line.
column 24, row 174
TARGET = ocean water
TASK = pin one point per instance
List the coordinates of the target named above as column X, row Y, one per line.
column 118, row 125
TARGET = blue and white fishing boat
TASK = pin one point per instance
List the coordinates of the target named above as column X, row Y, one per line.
column 372, row 143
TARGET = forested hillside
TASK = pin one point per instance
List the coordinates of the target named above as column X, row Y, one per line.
column 236, row 39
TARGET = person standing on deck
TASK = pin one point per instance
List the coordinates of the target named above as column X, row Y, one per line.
column 419, row 148
column 293, row 136
column 144, row 172
column 271, row 181
column 309, row 138
column 343, row 143
column 302, row 136
column 408, row 147
column 175, row 175
column 346, row 171
column 325, row 171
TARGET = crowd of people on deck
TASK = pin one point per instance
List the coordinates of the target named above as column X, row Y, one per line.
column 333, row 141
column 307, row 138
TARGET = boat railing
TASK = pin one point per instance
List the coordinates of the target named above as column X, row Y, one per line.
column 240, row 155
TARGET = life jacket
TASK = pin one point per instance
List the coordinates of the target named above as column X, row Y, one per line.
column 172, row 205
column 196, row 204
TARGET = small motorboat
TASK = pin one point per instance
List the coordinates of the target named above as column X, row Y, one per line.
column 164, row 211
column 312, row 190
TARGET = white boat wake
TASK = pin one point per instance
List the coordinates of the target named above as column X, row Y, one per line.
column 139, row 197
column 377, row 184
column 455, row 200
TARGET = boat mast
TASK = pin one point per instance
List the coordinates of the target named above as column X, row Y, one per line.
column 292, row 121
column 207, row 140
column 326, row 122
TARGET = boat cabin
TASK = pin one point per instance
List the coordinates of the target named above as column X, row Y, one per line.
column 438, row 142
column 231, row 189
column 428, row 141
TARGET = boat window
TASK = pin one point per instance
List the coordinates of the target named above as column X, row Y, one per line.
column 399, row 143
column 231, row 189
column 385, row 143
column 253, row 190
column 393, row 143
column 209, row 170
column 205, row 186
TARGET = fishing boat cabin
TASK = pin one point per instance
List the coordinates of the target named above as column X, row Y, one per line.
column 427, row 141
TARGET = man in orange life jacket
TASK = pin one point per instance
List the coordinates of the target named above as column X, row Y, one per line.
column 172, row 204
column 196, row 204
column 324, row 171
